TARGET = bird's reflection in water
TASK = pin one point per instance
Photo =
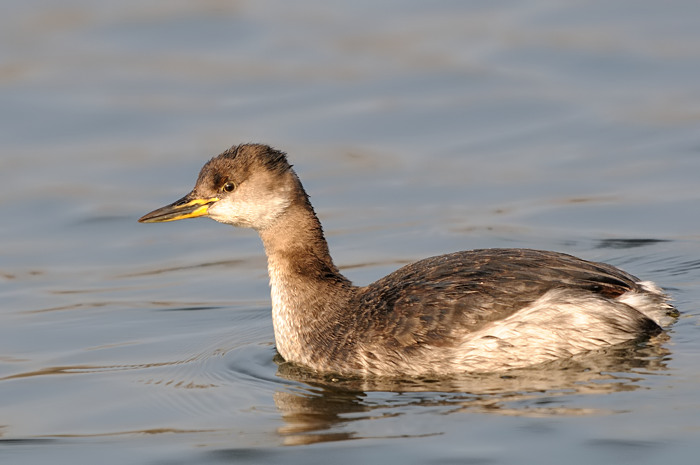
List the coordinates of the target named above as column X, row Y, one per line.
column 323, row 411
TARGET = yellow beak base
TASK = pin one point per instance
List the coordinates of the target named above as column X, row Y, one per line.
column 186, row 207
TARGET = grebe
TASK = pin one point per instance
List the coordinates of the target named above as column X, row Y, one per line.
column 473, row 311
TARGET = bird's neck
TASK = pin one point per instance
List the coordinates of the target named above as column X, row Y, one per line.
column 306, row 287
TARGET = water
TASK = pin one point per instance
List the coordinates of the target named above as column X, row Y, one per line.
column 418, row 130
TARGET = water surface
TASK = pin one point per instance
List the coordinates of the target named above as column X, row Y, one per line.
column 417, row 130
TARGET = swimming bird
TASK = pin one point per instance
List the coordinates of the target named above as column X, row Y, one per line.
column 472, row 311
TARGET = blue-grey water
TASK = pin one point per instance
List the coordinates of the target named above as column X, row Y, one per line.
column 418, row 128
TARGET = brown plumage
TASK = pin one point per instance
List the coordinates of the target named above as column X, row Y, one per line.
column 479, row 310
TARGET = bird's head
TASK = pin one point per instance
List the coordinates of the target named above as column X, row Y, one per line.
column 248, row 185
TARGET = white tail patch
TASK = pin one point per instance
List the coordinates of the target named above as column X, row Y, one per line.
column 653, row 303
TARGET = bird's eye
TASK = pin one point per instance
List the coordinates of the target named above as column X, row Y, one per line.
column 228, row 187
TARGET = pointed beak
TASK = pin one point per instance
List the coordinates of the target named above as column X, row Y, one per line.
column 187, row 207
